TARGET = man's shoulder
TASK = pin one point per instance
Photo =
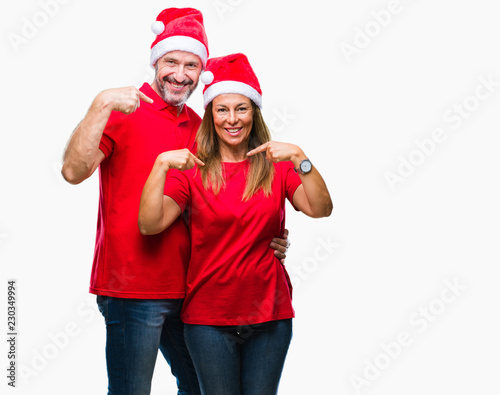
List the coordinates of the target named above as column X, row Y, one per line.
column 192, row 114
column 147, row 90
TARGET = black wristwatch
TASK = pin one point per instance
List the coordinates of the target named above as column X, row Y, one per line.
column 304, row 167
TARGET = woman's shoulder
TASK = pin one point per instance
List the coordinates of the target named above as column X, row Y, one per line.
column 189, row 174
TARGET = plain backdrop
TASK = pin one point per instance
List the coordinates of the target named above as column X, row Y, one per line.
column 395, row 102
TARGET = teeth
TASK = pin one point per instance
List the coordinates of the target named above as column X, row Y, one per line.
column 177, row 86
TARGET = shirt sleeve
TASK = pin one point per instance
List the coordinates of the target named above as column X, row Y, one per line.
column 292, row 181
column 114, row 126
column 106, row 145
column 177, row 187
column 107, row 142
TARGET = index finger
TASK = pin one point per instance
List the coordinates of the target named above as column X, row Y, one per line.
column 142, row 96
column 277, row 242
column 198, row 161
column 260, row 148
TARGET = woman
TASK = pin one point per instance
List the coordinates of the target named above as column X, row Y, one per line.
column 238, row 310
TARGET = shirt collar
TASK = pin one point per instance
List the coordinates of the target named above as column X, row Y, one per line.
column 160, row 105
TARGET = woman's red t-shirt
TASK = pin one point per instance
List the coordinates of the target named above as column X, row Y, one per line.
column 233, row 276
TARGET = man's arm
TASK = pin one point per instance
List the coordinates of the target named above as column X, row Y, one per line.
column 82, row 155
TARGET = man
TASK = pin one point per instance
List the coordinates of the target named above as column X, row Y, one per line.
column 140, row 281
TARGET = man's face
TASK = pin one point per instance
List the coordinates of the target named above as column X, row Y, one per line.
column 176, row 76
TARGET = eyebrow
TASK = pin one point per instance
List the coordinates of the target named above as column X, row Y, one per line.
column 237, row 105
column 194, row 61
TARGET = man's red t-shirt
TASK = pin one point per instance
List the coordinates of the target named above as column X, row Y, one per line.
column 233, row 276
column 126, row 263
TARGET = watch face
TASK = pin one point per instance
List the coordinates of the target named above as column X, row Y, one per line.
column 305, row 166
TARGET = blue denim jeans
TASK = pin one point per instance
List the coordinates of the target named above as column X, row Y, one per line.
column 135, row 329
column 239, row 360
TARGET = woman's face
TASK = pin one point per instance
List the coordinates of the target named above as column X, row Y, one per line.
column 233, row 120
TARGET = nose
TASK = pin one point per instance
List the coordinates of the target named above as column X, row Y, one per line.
column 232, row 117
column 180, row 74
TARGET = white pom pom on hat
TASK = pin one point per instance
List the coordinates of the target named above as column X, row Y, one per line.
column 158, row 27
column 207, row 77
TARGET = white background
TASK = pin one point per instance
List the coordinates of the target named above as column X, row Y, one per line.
column 363, row 276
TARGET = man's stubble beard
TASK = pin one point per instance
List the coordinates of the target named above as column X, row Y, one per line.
column 172, row 98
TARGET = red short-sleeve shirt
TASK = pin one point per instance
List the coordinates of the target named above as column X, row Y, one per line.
column 233, row 276
column 126, row 263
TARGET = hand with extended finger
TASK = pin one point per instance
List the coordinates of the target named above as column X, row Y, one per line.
column 125, row 100
column 181, row 159
column 279, row 152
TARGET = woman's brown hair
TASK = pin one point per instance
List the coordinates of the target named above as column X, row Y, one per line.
column 261, row 172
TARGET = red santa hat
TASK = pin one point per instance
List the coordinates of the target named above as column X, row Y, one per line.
column 179, row 29
column 230, row 74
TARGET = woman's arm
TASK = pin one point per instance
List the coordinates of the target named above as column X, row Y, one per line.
column 312, row 197
column 157, row 211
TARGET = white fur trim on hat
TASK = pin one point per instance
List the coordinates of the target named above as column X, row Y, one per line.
column 179, row 43
column 219, row 88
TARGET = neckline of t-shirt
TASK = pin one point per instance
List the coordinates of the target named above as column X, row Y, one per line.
column 236, row 163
